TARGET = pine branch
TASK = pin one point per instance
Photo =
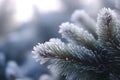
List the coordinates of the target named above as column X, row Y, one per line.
column 56, row 49
column 81, row 18
column 84, row 57
column 66, row 57
column 107, row 27
column 77, row 35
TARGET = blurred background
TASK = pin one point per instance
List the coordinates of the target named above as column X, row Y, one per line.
column 24, row 23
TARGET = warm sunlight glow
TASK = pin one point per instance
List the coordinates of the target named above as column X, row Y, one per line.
column 24, row 10
column 48, row 5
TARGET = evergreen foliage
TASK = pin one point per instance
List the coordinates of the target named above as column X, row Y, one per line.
column 92, row 52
